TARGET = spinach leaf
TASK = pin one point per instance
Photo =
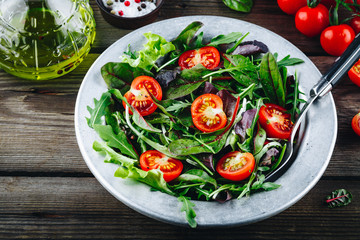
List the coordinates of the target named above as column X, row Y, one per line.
column 187, row 207
column 225, row 39
column 155, row 48
column 118, row 141
column 185, row 37
column 180, row 88
column 120, row 75
column 259, row 139
column 153, row 178
column 271, row 80
column 99, row 109
column 239, row 5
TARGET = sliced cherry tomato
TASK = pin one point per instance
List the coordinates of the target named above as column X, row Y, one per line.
column 291, row 6
column 312, row 21
column 275, row 121
column 209, row 57
column 335, row 39
column 207, row 113
column 355, row 24
column 153, row 159
column 236, row 166
column 355, row 123
column 354, row 73
column 139, row 97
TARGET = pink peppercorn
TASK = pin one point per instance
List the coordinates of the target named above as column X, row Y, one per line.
column 121, row 13
column 127, row 3
column 137, row 1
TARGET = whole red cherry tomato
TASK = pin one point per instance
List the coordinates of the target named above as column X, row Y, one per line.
column 291, row 6
column 208, row 56
column 275, row 121
column 236, row 166
column 153, row 159
column 354, row 73
column 139, row 97
column 355, row 124
column 207, row 113
column 335, row 39
column 312, row 21
column 355, row 24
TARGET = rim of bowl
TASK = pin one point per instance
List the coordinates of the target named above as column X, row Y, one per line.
column 103, row 8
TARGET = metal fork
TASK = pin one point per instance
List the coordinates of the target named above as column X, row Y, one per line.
column 341, row 66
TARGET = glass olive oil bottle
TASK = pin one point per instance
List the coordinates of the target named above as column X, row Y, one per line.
column 44, row 39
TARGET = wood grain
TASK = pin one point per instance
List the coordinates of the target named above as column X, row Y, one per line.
column 58, row 208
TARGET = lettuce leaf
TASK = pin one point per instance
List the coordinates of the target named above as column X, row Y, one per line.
column 155, row 48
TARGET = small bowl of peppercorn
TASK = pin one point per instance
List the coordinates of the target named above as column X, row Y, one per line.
column 129, row 14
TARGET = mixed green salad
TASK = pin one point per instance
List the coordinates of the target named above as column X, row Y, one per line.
column 196, row 118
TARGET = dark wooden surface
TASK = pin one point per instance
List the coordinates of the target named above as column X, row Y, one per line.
column 47, row 191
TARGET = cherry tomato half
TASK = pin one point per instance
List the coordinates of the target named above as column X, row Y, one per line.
column 139, row 97
column 275, row 121
column 209, row 57
column 354, row 73
column 153, row 159
column 207, row 113
column 335, row 39
column 355, row 124
column 312, row 21
column 236, row 166
column 291, row 6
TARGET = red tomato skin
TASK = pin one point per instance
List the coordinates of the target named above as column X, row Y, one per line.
column 312, row 21
column 354, row 73
column 355, row 24
column 355, row 124
column 168, row 174
column 291, row 6
column 273, row 128
column 150, row 105
column 191, row 58
column 240, row 174
column 335, row 39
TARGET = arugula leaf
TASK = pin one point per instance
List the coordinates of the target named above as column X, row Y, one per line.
column 177, row 106
column 267, row 186
column 99, row 109
column 187, row 207
column 120, row 75
column 137, row 118
column 153, row 178
column 239, row 5
column 271, row 80
column 287, row 61
column 155, row 48
column 196, row 176
column 118, row 141
column 259, row 139
column 113, row 156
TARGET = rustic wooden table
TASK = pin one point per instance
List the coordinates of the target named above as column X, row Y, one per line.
column 47, row 191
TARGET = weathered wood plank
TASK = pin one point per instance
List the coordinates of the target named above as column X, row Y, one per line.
column 79, row 208
column 264, row 13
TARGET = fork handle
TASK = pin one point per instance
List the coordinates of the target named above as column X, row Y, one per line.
column 341, row 66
